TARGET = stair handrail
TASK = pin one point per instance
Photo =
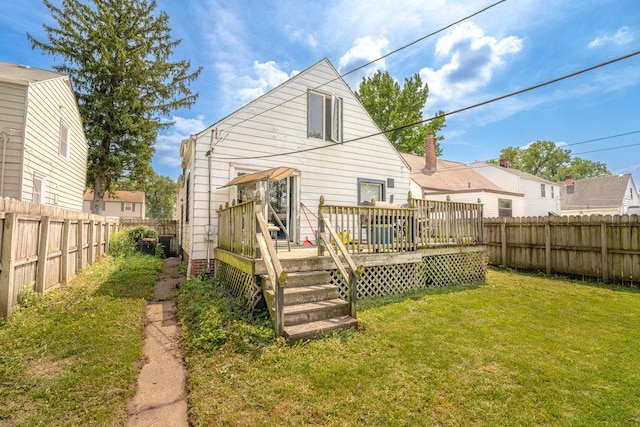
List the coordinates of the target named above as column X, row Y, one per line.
column 276, row 273
column 351, row 273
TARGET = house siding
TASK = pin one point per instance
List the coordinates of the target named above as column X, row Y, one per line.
column 281, row 127
column 49, row 102
column 13, row 99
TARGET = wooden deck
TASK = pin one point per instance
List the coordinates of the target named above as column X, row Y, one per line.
column 361, row 252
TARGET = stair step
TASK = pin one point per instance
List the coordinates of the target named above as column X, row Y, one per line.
column 305, row 278
column 311, row 330
column 313, row 311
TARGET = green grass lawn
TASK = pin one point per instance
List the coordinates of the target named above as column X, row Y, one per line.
column 516, row 350
column 70, row 357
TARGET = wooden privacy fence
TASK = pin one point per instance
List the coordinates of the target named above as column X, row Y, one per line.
column 606, row 248
column 42, row 247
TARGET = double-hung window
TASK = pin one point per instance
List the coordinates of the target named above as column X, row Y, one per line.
column 324, row 116
column 504, row 208
column 542, row 191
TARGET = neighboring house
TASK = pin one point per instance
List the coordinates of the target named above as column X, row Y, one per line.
column 43, row 148
column 122, row 204
column 437, row 179
column 541, row 197
column 311, row 125
column 606, row 195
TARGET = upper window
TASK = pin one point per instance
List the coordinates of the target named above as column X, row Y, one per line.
column 552, row 192
column 39, row 189
column 65, row 137
column 324, row 117
column 369, row 189
column 504, row 207
column 542, row 190
column 127, row 207
column 631, row 193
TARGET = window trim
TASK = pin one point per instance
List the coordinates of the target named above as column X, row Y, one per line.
column 331, row 115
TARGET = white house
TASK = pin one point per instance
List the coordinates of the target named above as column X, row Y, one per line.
column 314, row 127
column 605, row 195
column 437, row 179
column 43, row 149
column 541, row 196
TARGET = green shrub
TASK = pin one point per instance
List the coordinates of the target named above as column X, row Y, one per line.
column 143, row 232
column 121, row 244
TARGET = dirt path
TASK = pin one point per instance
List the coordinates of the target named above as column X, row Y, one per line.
column 161, row 398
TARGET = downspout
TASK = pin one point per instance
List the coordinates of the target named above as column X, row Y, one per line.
column 209, row 230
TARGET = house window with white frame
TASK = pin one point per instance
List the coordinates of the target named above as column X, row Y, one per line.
column 39, row 189
column 127, row 207
column 552, row 192
column 543, row 191
column 324, row 116
column 64, row 139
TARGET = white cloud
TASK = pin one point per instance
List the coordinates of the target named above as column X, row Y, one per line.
column 620, row 37
column 301, row 36
column 168, row 142
column 472, row 58
column 364, row 49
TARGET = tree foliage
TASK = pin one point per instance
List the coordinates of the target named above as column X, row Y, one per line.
column 160, row 194
column 118, row 53
column 393, row 108
column 546, row 160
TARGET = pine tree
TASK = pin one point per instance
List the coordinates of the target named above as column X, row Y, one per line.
column 118, row 54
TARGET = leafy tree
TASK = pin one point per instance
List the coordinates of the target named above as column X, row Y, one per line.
column 546, row 160
column 118, row 54
column 160, row 194
column 393, row 107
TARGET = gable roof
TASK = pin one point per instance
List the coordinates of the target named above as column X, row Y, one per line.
column 601, row 192
column 24, row 75
column 516, row 172
column 449, row 176
column 118, row 196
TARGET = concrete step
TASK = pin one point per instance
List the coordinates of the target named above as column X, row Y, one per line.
column 308, row 331
column 314, row 311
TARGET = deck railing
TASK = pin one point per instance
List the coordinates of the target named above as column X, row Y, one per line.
column 237, row 228
column 444, row 222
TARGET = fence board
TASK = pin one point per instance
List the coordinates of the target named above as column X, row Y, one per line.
column 602, row 247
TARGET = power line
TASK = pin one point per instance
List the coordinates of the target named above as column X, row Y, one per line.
column 369, row 63
column 602, row 138
column 460, row 110
column 609, row 148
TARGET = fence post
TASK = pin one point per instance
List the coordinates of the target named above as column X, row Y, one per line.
column 547, row 246
column 43, row 254
column 503, row 240
column 90, row 240
column 8, row 264
column 604, row 255
column 64, row 266
column 80, row 244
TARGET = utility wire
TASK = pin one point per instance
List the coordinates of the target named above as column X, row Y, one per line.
column 460, row 110
column 367, row 64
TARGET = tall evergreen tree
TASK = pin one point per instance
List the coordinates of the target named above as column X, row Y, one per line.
column 393, row 108
column 118, row 53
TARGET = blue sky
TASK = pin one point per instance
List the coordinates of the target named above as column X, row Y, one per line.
column 248, row 47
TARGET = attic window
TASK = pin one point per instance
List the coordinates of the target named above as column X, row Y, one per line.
column 64, row 138
column 324, row 117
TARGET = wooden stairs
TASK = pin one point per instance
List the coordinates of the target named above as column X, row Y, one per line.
column 312, row 307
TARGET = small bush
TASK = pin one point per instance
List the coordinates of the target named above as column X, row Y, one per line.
column 121, row 244
column 142, row 232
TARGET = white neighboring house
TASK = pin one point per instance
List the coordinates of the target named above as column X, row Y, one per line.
column 605, row 195
column 42, row 141
column 312, row 124
column 119, row 204
column 436, row 179
column 541, row 196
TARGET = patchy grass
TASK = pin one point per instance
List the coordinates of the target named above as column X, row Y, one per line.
column 69, row 358
column 516, row 350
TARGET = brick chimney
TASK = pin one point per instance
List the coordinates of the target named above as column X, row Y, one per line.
column 430, row 153
column 568, row 182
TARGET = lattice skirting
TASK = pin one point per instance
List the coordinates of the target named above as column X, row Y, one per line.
column 436, row 270
column 242, row 286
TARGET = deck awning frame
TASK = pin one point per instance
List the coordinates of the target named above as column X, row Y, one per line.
column 270, row 175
